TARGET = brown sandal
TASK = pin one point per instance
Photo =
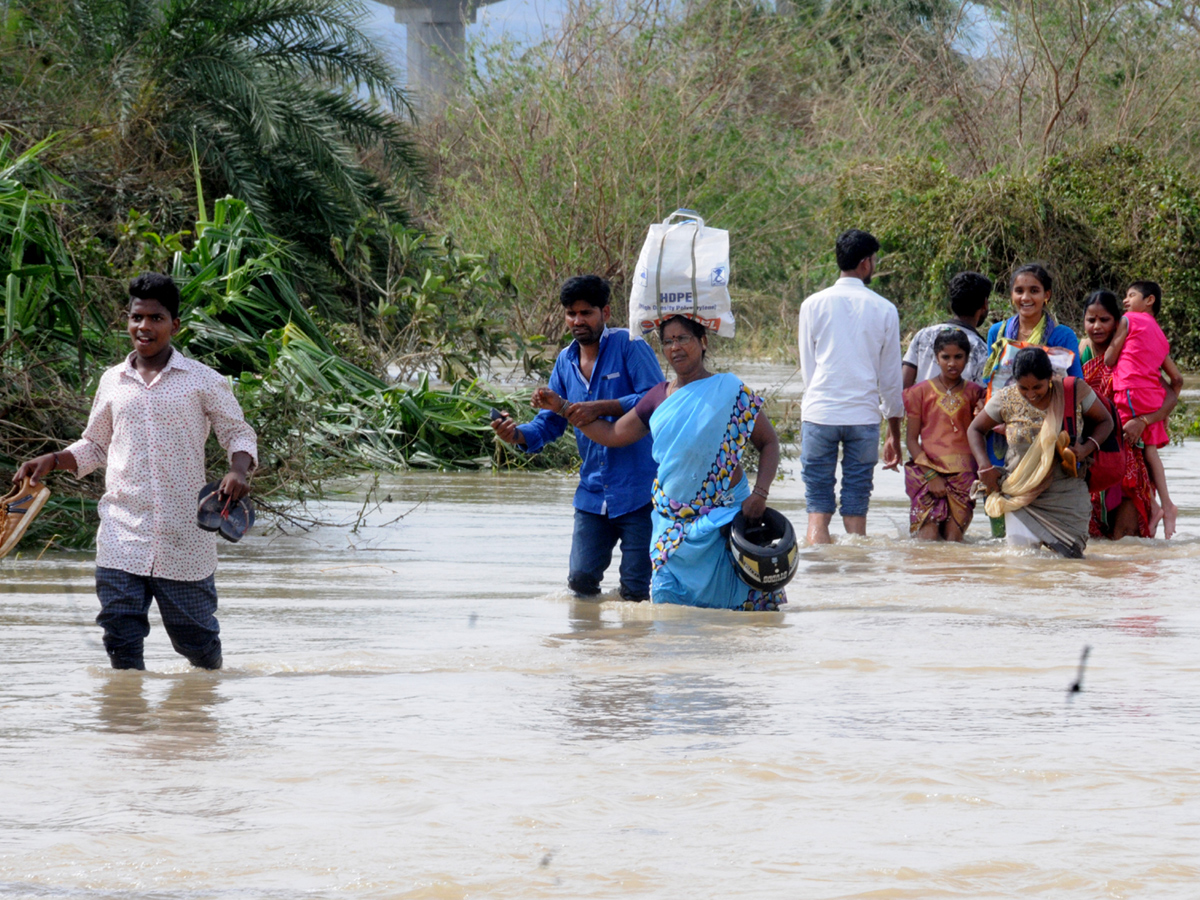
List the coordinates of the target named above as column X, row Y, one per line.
column 17, row 512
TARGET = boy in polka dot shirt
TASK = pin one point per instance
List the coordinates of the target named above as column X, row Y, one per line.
column 149, row 423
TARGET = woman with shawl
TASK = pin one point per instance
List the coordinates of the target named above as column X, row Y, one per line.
column 701, row 423
column 1033, row 323
column 1129, row 508
column 1040, row 490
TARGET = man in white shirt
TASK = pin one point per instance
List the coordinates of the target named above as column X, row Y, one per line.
column 850, row 359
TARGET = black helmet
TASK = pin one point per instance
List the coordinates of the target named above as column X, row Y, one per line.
column 765, row 555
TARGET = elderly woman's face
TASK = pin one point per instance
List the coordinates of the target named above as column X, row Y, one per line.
column 1034, row 389
column 682, row 348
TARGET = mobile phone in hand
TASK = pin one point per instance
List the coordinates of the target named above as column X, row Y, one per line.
column 496, row 414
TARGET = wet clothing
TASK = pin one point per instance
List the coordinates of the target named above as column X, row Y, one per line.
column 1037, row 497
column 612, row 480
column 612, row 501
column 943, row 418
column 700, row 434
column 1136, row 485
column 1137, row 388
column 150, row 438
column 188, row 611
column 819, row 455
column 591, row 552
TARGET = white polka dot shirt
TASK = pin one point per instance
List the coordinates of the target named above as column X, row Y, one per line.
column 151, row 438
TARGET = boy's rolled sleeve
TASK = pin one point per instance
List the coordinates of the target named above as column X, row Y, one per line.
column 228, row 421
column 91, row 450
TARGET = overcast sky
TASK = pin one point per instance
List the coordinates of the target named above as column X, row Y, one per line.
column 519, row 20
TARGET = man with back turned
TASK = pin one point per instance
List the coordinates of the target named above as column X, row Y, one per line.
column 850, row 359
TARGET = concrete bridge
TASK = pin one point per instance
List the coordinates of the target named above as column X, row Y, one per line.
column 436, row 42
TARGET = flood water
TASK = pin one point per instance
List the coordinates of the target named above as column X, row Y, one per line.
column 418, row 709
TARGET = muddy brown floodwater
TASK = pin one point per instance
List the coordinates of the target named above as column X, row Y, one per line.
column 419, row 710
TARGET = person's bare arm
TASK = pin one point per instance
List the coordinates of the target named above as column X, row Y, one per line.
column 767, row 441
column 588, row 411
column 891, row 445
column 910, row 374
column 977, row 433
column 1102, row 427
column 912, row 436
column 1113, row 353
column 236, row 483
column 40, row 466
column 627, row 430
column 1173, row 383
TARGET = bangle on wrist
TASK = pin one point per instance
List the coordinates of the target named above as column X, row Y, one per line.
column 55, row 462
column 1096, row 442
column 562, row 410
column 762, row 492
column 988, row 469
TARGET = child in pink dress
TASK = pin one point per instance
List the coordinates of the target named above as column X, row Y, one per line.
column 1138, row 352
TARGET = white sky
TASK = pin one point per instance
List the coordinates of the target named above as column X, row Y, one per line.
column 523, row 21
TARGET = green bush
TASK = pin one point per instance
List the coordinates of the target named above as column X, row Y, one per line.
column 1099, row 219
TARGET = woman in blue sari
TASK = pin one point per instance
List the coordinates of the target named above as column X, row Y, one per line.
column 701, row 423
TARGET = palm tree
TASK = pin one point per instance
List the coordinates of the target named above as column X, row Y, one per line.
column 289, row 104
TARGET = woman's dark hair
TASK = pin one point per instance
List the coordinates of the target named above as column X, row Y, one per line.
column 1037, row 270
column 692, row 325
column 1032, row 361
column 1108, row 300
column 948, row 336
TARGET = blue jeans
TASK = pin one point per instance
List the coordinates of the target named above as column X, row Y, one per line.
column 818, row 466
column 188, row 612
column 592, row 546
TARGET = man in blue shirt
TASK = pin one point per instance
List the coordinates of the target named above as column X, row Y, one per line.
column 602, row 374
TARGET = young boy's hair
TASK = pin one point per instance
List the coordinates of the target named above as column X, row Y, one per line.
column 948, row 336
column 969, row 292
column 153, row 286
column 1148, row 289
column 853, row 246
column 591, row 289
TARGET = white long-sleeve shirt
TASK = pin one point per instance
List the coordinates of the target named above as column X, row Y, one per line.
column 850, row 356
column 151, row 438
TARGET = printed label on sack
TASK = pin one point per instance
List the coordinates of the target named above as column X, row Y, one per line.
column 719, row 276
column 650, row 324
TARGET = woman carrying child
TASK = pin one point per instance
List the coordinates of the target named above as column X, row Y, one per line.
column 1042, row 500
column 941, row 469
column 1138, row 351
column 1129, row 508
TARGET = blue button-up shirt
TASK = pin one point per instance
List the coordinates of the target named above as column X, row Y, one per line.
column 613, row 481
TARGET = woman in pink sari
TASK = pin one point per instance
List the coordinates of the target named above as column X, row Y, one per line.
column 1129, row 509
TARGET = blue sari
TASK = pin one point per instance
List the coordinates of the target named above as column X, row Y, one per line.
column 700, row 433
